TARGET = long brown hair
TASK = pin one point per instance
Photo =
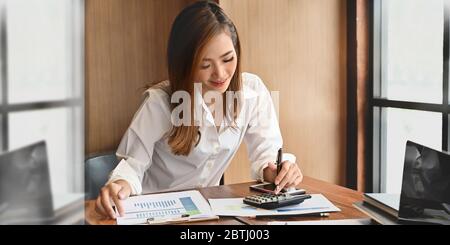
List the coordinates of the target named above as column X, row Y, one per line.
column 192, row 29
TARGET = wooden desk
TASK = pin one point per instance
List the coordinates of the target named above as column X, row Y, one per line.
column 94, row 218
column 342, row 197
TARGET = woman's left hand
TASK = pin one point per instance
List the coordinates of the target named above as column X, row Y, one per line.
column 290, row 175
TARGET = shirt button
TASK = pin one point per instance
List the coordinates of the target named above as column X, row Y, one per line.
column 209, row 164
column 216, row 147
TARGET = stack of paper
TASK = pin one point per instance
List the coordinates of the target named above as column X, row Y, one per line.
column 235, row 207
column 165, row 206
column 324, row 222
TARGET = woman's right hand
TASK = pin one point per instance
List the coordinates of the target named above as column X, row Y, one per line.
column 115, row 191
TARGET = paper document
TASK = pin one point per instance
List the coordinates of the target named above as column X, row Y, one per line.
column 324, row 222
column 165, row 206
column 235, row 207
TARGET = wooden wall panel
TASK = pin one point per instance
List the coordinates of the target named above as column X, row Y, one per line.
column 298, row 47
column 125, row 49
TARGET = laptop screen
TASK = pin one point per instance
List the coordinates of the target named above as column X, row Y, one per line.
column 425, row 195
column 25, row 194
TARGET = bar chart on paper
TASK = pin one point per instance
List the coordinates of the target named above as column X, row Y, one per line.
column 164, row 206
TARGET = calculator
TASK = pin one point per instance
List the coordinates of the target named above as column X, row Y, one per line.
column 273, row 201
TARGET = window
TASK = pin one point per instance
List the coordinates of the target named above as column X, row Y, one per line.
column 410, row 85
column 41, row 48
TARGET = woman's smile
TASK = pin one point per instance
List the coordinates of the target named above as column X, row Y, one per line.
column 218, row 83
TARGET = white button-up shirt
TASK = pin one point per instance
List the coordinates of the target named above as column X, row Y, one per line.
column 148, row 164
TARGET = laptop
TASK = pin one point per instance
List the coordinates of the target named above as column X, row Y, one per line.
column 25, row 192
column 425, row 194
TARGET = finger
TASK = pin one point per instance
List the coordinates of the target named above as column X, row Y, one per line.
column 297, row 176
column 287, row 178
column 107, row 203
column 99, row 208
column 283, row 182
column 301, row 177
column 290, row 178
column 116, row 199
column 272, row 166
column 292, row 181
column 124, row 193
column 284, row 170
column 298, row 180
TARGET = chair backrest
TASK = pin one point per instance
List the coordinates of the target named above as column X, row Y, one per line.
column 96, row 172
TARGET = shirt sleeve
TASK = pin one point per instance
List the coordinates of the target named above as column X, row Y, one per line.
column 135, row 150
column 263, row 136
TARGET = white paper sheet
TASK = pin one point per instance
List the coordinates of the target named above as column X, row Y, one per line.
column 235, row 207
column 164, row 206
column 324, row 222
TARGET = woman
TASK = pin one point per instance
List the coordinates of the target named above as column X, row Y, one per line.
column 168, row 148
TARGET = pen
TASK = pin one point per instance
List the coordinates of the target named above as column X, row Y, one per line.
column 168, row 220
column 290, row 215
column 318, row 214
column 280, row 152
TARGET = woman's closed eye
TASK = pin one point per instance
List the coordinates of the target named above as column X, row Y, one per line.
column 206, row 66
column 229, row 60
column 203, row 67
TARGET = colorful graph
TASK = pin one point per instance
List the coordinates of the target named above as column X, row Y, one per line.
column 165, row 208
